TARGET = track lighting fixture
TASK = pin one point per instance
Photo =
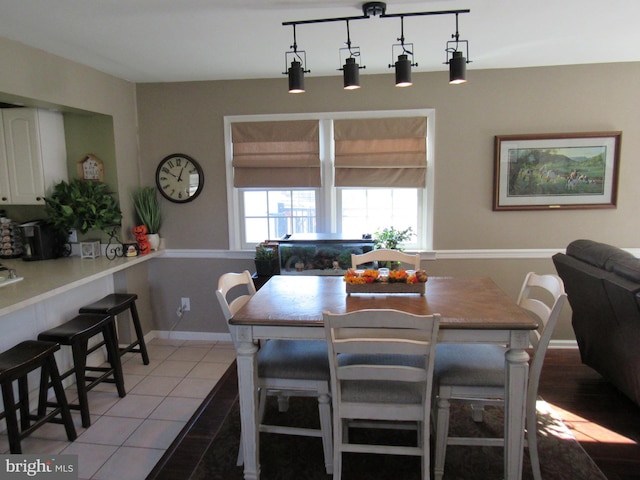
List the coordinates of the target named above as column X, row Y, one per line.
column 404, row 63
column 297, row 69
column 457, row 62
column 351, row 67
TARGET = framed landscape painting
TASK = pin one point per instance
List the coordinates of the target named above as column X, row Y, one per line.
column 556, row 171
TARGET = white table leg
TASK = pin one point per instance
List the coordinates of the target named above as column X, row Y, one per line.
column 248, row 396
column 516, row 377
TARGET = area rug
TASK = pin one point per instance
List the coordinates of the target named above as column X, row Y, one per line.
column 285, row 457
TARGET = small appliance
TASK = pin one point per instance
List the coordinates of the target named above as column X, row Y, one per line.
column 41, row 241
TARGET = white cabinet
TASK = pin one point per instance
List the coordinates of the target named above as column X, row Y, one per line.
column 33, row 155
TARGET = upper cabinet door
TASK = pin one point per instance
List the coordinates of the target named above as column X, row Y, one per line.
column 5, row 192
column 35, row 153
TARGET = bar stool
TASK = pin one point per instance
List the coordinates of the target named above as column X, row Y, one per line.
column 76, row 333
column 113, row 305
column 15, row 364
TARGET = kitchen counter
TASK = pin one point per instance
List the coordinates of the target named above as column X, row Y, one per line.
column 45, row 279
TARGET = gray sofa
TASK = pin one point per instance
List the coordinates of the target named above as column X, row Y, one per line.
column 603, row 289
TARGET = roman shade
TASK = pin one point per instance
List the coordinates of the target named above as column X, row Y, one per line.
column 381, row 152
column 276, row 154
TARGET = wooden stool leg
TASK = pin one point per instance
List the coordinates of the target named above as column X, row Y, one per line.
column 111, row 342
column 139, row 334
column 79, row 350
column 43, row 393
column 10, row 417
column 52, row 368
column 23, row 395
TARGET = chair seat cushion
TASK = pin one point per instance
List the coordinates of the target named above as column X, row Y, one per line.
column 294, row 359
column 381, row 391
column 470, row 365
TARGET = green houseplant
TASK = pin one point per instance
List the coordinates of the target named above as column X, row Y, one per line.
column 391, row 238
column 265, row 261
column 147, row 208
column 83, row 205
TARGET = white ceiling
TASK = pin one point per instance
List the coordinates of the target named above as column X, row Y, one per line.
column 182, row 40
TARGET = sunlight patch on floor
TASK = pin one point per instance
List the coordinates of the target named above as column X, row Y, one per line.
column 587, row 431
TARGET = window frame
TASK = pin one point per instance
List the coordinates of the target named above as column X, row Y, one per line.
column 327, row 196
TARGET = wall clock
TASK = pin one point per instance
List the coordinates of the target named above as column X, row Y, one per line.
column 179, row 178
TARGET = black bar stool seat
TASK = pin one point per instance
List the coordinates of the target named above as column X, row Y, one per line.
column 76, row 333
column 114, row 304
column 15, row 364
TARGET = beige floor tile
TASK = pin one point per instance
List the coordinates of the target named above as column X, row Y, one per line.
column 90, row 456
column 138, row 368
column 161, row 398
column 155, row 434
column 173, row 368
column 160, row 386
column 160, row 352
column 220, row 355
column 176, row 408
column 129, row 463
column 34, row 445
column 192, row 354
column 193, row 388
column 135, row 406
column 110, row 431
column 211, row 371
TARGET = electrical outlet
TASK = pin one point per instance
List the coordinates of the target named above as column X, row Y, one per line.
column 186, row 304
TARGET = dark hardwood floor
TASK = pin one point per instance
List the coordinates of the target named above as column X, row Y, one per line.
column 606, row 423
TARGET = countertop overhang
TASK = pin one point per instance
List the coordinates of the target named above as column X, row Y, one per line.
column 44, row 279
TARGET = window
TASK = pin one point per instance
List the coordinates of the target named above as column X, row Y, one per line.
column 274, row 213
column 353, row 180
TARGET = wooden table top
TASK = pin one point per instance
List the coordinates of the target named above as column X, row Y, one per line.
column 463, row 303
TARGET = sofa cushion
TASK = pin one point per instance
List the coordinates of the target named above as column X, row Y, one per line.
column 598, row 254
column 628, row 268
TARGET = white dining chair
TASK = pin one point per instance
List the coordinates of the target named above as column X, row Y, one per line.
column 385, row 255
column 381, row 376
column 475, row 373
column 286, row 368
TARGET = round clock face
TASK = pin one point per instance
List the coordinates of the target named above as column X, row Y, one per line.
column 179, row 178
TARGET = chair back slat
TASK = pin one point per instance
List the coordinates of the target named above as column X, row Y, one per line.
column 386, row 255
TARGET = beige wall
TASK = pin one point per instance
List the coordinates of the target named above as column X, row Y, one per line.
column 188, row 118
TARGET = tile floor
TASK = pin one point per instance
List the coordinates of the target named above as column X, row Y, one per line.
column 129, row 435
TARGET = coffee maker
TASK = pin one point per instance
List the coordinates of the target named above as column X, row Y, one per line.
column 41, row 241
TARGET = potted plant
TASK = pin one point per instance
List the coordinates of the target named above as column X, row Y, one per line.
column 391, row 238
column 148, row 212
column 82, row 205
column 265, row 261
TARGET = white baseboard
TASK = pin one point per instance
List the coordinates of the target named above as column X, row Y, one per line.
column 173, row 335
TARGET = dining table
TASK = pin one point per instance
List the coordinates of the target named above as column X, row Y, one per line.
column 472, row 310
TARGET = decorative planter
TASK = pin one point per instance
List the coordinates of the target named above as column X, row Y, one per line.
column 265, row 268
column 154, row 240
column 385, row 287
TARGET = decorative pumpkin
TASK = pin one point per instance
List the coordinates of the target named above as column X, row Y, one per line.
column 140, row 230
column 141, row 238
column 144, row 247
